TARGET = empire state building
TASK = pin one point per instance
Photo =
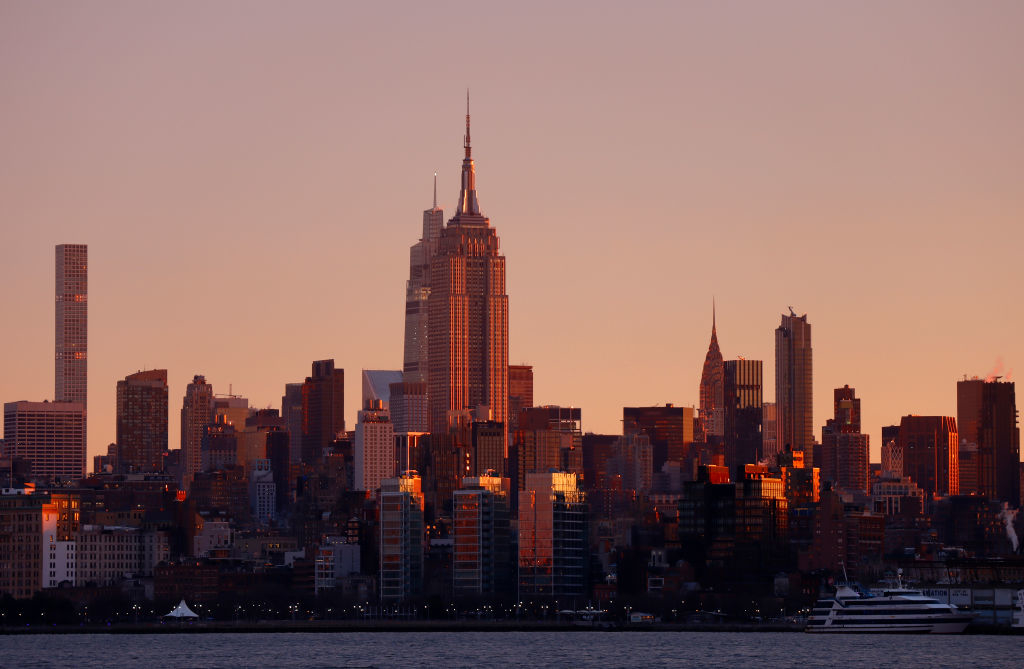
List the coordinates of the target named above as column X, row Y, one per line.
column 467, row 312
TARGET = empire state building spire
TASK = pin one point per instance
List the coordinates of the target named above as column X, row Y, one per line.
column 468, row 205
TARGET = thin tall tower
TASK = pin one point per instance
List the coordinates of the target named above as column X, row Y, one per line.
column 793, row 386
column 467, row 312
column 71, row 331
column 417, row 293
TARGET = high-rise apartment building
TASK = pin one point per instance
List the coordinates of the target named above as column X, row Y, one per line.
column 930, row 453
column 49, row 435
column 417, row 294
column 71, row 326
column 742, row 412
column 712, row 389
column 481, row 531
column 844, row 454
column 323, row 409
column 793, row 386
column 987, row 418
column 374, row 458
column 553, row 537
column 71, row 330
column 548, row 438
column 196, row 414
column 401, row 538
column 467, row 313
column 142, row 421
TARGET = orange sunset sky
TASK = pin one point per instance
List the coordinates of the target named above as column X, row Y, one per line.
column 249, row 177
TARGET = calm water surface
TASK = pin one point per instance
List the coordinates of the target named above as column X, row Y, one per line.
column 510, row 649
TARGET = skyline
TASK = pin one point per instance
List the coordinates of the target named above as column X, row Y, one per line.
column 200, row 235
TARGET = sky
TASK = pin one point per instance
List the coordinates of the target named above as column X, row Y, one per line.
column 249, row 177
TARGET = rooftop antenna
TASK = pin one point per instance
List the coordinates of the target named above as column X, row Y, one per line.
column 435, row 190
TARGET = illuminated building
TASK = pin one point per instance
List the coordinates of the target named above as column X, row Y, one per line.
column 467, row 313
column 769, row 431
column 481, row 532
column 548, row 437
column 142, row 421
column 554, row 554
column 520, row 392
column 323, row 409
column 711, row 390
column 930, row 453
column 196, row 414
column 844, row 451
column 374, row 447
column 793, row 386
column 71, row 326
column 987, row 417
column 50, row 436
column 417, row 294
column 401, row 538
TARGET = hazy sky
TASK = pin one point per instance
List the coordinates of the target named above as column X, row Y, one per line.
column 249, row 177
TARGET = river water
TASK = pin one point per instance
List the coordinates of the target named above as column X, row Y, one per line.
column 510, row 649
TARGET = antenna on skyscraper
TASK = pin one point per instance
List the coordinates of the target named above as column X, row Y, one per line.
column 435, row 189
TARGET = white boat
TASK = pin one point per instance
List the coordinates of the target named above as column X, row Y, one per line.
column 897, row 609
column 1018, row 614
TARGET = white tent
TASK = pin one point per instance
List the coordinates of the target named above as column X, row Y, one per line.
column 181, row 611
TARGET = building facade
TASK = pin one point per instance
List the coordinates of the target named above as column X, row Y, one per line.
column 417, row 296
column 72, row 324
column 49, row 435
column 929, row 445
column 374, row 447
column 196, row 414
column 142, row 421
column 742, row 412
column 554, row 552
column 712, row 389
column 794, row 386
column 323, row 409
column 482, row 532
column 467, row 313
column 987, row 420
column 401, row 538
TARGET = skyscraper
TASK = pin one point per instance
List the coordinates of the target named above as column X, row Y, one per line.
column 374, row 447
column 553, row 537
column 712, row 389
column 741, row 410
column 401, row 538
column 417, row 294
column 71, row 327
column 844, row 452
column 49, row 435
column 142, row 421
column 71, row 331
column 291, row 412
column 323, row 409
column 520, row 392
column 987, row 417
column 196, row 414
column 929, row 445
column 793, row 386
column 481, row 531
column 467, row 312
column 670, row 429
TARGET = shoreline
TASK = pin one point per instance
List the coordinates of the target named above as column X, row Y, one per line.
column 446, row 626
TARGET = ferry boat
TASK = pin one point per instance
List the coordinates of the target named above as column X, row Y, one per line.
column 897, row 609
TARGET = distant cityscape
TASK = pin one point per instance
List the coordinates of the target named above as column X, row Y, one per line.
column 455, row 495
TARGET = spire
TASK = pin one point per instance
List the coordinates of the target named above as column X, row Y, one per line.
column 465, row 144
column 468, row 205
column 435, row 190
column 714, row 328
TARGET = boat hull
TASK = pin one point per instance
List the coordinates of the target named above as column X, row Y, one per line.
column 882, row 627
